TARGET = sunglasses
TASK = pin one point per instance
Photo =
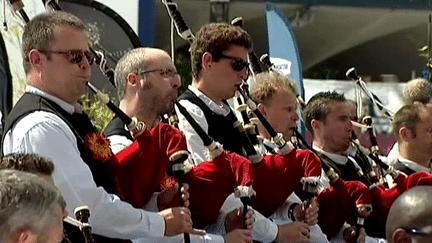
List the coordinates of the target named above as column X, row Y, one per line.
column 238, row 64
column 73, row 56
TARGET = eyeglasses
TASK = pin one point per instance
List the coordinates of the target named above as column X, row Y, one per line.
column 238, row 64
column 165, row 73
column 419, row 232
column 73, row 56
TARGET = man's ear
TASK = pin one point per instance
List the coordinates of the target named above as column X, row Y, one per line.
column 316, row 125
column 206, row 60
column 26, row 236
column 400, row 236
column 132, row 78
column 405, row 133
column 262, row 109
column 35, row 58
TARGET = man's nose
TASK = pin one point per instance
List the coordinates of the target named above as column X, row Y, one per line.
column 176, row 82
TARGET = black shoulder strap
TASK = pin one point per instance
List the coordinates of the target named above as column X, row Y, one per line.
column 191, row 96
column 405, row 169
column 117, row 127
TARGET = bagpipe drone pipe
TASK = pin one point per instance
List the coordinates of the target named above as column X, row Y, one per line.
column 139, row 169
column 78, row 230
column 338, row 202
column 344, row 198
column 276, row 176
column 382, row 196
column 341, row 200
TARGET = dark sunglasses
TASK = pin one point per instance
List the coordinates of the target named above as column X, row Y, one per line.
column 238, row 64
column 73, row 56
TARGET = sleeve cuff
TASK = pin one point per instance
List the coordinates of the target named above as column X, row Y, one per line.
column 156, row 224
column 264, row 229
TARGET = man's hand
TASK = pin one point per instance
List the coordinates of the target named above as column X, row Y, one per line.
column 177, row 221
column 169, row 198
column 308, row 215
column 234, row 219
column 238, row 236
column 349, row 235
column 296, row 232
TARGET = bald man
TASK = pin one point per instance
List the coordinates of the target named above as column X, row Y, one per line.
column 410, row 217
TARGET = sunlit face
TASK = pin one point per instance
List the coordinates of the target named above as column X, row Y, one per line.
column 281, row 112
column 160, row 88
column 225, row 78
column 421, row 143
column 337, row 128
column 62, row 78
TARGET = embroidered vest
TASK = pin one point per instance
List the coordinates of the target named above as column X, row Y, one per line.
column 79, row 124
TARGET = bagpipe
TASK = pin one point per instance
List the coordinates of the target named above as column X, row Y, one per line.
column 276, row 176
column 382, row 196
column 81, row 213
column 373, row 172
column 164, row 146
column 342, row 199
column 270, row 170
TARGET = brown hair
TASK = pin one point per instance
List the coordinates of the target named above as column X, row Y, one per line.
column 318, row 107
column 39, row 31
column 216, row 38
column 266, row 84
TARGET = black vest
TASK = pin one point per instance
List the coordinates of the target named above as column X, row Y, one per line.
column 117, row 127
column 220, row 128
column 80, row 125
column 346, row 172
column 401, row 167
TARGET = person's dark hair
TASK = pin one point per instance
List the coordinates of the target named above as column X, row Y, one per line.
column 39, row 32
column 29, row 162
column 318, row 107
column 216, row 38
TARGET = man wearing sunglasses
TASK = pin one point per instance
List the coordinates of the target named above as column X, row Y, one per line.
column 147, row 85
column 219, row 66
column 47, row 120
column 410, row 217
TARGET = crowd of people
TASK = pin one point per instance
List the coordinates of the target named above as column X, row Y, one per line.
column 51, row 165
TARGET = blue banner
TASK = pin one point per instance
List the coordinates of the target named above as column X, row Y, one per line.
column 282, row 46
column 283, row 51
